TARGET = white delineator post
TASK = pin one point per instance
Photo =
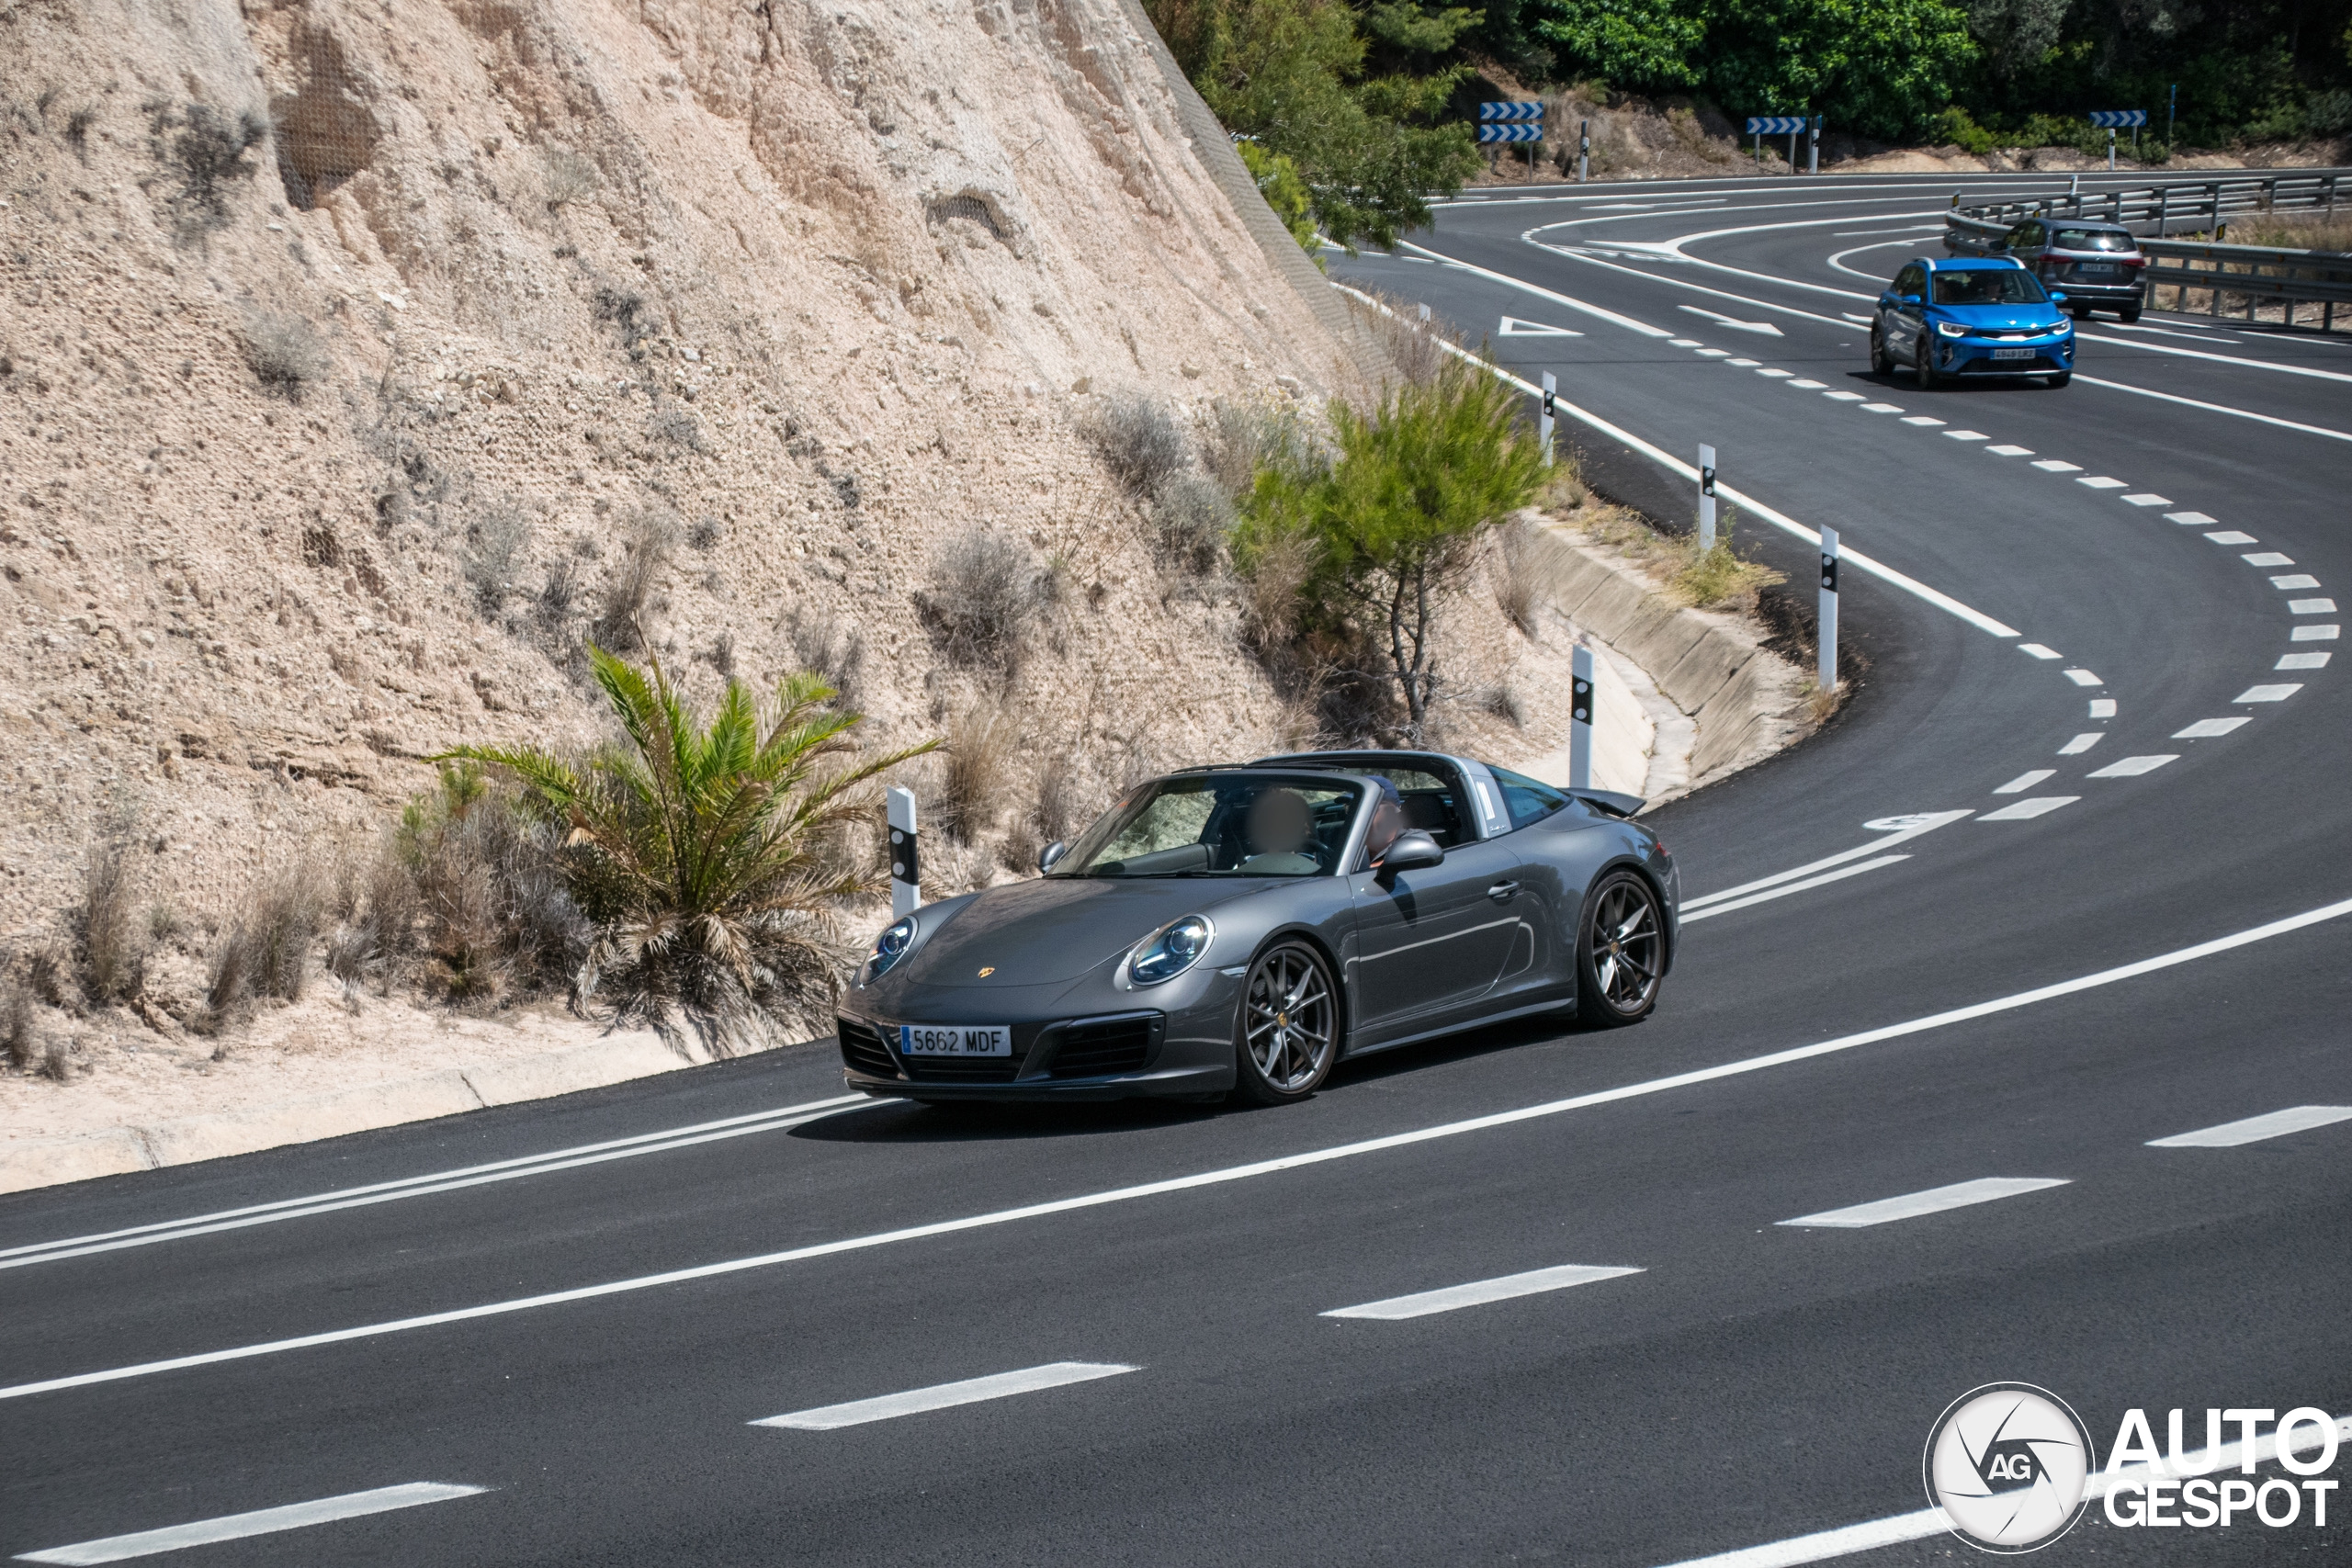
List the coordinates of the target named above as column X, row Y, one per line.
column 1544, row 423
column 1829, row 638
column 906, row 868
column 1580, row 704
column 1706, row 498
column 1584, row 149
column 1813, row 147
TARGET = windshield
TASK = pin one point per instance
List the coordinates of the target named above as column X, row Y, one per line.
column 1988, row 286
column 1221, row 825
column 2093, row 240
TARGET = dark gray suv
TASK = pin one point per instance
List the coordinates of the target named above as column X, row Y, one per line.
column 2095, row 266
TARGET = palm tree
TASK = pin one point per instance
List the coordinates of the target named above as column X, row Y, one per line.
column 697, row 851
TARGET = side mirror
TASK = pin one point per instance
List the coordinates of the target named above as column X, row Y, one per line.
column 1411, row 851
column 1911, row 298
column 2057, row 299
column 1051, row 855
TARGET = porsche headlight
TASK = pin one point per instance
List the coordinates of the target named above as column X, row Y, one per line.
column 890, row 946
column 1950, row 331
column 1170, row 950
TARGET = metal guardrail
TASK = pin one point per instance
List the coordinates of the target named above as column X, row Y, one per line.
column 2248, row 275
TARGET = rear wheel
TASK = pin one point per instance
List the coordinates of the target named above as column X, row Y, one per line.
column 1289, row 1031
column 2080, row 312
column 1882, row 362
column 1924, row 364
column 2130, row 312
column 1621, row 952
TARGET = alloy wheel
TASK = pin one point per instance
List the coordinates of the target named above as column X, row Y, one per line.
column 1627, row 944
column 1289, row 1024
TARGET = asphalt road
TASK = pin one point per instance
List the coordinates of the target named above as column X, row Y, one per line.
column 587, row 1331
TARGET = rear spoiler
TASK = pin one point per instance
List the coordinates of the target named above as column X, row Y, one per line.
column 1611, row 801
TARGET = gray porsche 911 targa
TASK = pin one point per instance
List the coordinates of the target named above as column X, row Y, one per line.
column 1237, row 929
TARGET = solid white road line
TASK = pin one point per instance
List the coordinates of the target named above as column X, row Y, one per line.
column 1927, row 823
column 2222, row 358
column 1935, row 1201
column 2254, row 1129
column 2132, row 767
column 2206, row 728
column 2025, row 810
column 438, row 1182
column 2081, row 743
column 2214, row 407
column 262, row 1521
column 2024, row 782
column 2285, row 926
column 1479, row 1292
column 1928, row 1522
column 1596, row 312
column 1712, row 911
column 2278, row 694
column 945, row 1396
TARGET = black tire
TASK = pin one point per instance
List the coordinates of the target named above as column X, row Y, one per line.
column 2058, row 381
column 1287, row 1034
column 2129, row 314
column 2080, row 312
column 1923, row 363
column 1621, row 952
column 1882, row 362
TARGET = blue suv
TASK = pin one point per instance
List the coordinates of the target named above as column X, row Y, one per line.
column 1971, row 317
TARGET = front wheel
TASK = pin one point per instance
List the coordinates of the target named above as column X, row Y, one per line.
column 1924, row 363
column 1621, row 952
column 1882, row 362
column 1289, row 1030
column 2060, row 379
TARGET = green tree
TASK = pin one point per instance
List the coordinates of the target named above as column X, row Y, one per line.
column 1649, row 46
column 1393, row 519
column 1294, row 74
column 696, row 850
column 1875, row 67
column 1278, row 182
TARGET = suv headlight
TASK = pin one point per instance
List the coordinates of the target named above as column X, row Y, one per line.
column 890, row 946
column 1170, row 950
column 1949, row 331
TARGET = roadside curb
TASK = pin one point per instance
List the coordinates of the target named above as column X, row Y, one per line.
column 1740, row 701
column 114, row 1151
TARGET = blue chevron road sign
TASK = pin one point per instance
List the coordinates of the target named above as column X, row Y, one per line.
column 2119, row 117
column 1491, row 112
column 1510, row 134
column 1775, row 124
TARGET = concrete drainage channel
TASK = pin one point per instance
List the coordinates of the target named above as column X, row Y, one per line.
column 1685, row 696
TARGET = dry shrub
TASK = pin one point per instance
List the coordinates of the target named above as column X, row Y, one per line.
column 493, row 537
column 1273, row 596
column 826, row 648
column 493, row 917
column 1138, row 443
column 619, row 627
column 1060, row 816
column 985, row 592
column 110, row 945
column 1192, row 519
column 285, row 353
column 569, row 177
column 1713, row 577
column 18, row 1038
column 1415, row 349
column 1022, row 846
column 267, row 951
column 981, row 743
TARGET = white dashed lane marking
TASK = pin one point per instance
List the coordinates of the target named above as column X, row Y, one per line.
column 2297, row 580
column 944, row 1396
column 2278, row 694
column 1923, row 419
column 1805, row 385
column 2302, row 661
column 1966, row 435
column 2024, row 810
column 2149, row 499
column 1935, row 1201
column 2311, row 607
column 2254, row 1129
column 2025, row 782
column 2038, row 650
column 2231, row 537
column 2084, row 678
column 1881, row 408
column 1479, row 1292
column 2101, row 482
column 2206, row 728
column 2052, row 465
column 2190, row 519
column 2080, row 744
column 261, row 1522
column 2132, row 767
column 1845, row 396
column 2314, row 634
column 2267, row 557
column 2102, row 707
column 2008, row 451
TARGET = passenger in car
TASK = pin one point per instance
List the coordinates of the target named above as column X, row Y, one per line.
column 1280, row 831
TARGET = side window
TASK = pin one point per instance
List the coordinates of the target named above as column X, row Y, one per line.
column 2022, row 236
column 1910, row 280
column 1433, row 804
column 1527, row 800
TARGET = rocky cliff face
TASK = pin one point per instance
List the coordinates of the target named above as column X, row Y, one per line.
column 360, row 358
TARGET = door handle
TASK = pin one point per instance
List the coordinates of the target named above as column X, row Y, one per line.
column 1501, row 892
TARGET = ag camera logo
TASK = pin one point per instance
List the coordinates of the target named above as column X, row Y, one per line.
column 2010, row 1465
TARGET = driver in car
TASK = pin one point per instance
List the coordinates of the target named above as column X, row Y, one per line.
column 1388, row 821
column 1280, row 831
